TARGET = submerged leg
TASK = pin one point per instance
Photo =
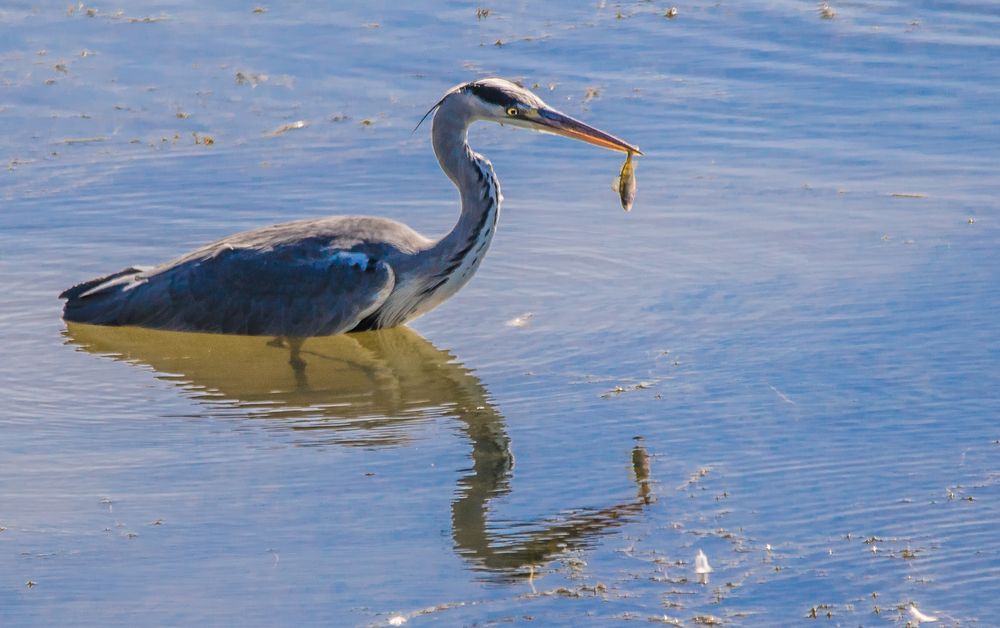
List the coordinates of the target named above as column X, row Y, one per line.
column 294, row 345
column 295, row 349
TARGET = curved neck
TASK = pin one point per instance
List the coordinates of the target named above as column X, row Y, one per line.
column 473, row 176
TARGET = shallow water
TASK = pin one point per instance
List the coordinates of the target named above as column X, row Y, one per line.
column 794, row 330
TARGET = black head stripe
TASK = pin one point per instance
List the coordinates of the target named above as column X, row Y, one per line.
column 492, row 94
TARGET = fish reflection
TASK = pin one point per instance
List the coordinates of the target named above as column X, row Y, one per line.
column 366, row 389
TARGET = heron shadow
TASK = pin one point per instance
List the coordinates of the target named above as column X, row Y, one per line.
column 368, row 389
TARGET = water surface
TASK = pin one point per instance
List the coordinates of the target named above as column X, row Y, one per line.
column 786, row 356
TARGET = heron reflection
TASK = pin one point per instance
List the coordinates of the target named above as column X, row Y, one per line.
column 367, row 389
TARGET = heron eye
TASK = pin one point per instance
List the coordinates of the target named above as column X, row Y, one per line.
column 512, row 111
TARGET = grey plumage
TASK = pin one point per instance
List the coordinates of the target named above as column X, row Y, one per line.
column 337, row 274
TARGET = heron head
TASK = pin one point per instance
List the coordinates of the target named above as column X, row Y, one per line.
column 506, row 102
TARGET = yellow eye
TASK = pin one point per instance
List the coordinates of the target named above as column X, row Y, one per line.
column 512, row 111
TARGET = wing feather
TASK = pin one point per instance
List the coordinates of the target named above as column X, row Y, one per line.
column 305, row 289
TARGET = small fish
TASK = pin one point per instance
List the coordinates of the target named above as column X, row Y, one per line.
column 626, row 183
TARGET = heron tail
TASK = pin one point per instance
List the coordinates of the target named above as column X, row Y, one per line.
column 95, row 301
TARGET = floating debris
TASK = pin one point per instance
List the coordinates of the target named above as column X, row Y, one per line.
column 908, row 195
column 782, row 395
column 183, row 115
column 252, row 78
column 259, row 10
column 83, row 140
column 826, row 11
column 814, row 611
column 591, row 94
column 920, row 617
column 149, row 19
column 285, row 128
column 397, row 620
column 671, row 13
column 520, row 321
column 617, row 390
column 627, row 184
column 207, row 140
column 30, row 583
column 71, row 9
column 566, row 592
column 482, row 13
column 695, row 477
column 701, row 567
column 61, row 67
column 701, row 563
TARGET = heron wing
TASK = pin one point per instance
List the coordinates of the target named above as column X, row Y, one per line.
column 300, row 289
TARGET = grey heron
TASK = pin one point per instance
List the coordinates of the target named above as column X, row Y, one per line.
column 337, row 274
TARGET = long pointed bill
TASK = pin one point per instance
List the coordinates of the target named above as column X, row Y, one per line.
column 551, row 121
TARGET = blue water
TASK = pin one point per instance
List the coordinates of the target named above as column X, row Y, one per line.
column 795, row 329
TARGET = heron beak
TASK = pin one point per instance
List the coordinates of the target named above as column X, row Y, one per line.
column 551, row 121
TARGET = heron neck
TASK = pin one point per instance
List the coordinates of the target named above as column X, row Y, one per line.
column 480, row 192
